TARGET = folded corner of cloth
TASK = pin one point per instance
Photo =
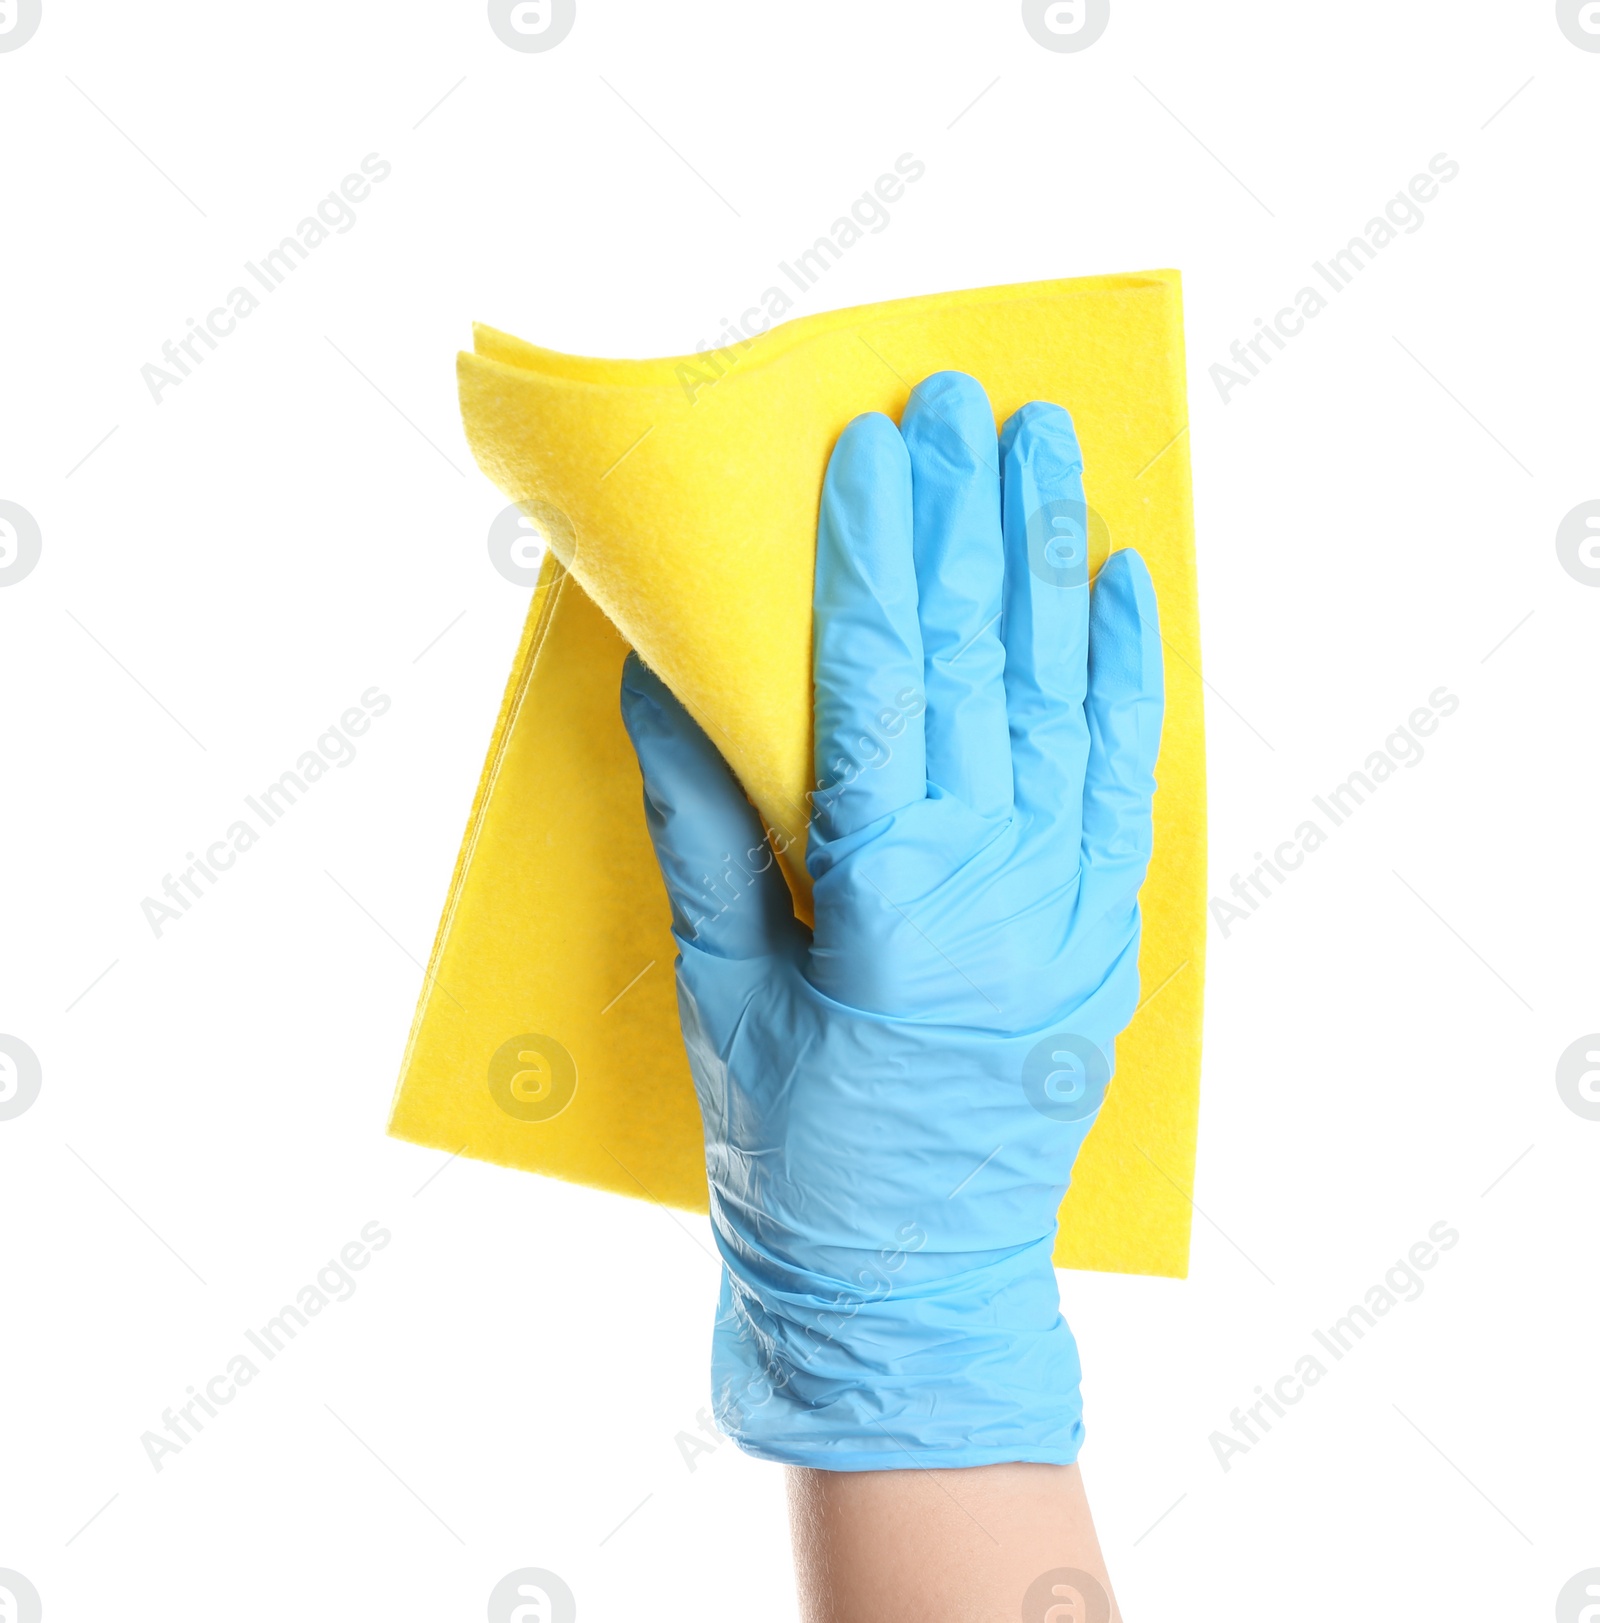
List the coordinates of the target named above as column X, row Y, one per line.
column 678, row 501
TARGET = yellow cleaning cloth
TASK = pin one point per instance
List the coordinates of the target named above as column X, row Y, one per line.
column 679, row 499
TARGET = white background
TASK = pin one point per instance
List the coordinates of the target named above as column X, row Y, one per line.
column 233, row 567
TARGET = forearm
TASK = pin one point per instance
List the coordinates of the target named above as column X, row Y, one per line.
column 978, row 1545
column 893, row 1099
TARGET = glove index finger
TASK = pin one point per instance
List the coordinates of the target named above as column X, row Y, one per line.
column 867, row 648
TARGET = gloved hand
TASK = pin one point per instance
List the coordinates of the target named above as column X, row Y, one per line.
column 893, row 1101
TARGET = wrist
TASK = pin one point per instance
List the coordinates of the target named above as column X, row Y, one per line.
column 945, row 1360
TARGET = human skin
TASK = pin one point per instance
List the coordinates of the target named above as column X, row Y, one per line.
column 956, row 1546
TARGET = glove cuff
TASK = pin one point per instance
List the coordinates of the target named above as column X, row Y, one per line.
column 958, row 1362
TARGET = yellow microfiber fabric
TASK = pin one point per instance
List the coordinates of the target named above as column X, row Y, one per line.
column 679, row 498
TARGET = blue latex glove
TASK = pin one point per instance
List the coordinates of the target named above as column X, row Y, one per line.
column 893, row 1102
